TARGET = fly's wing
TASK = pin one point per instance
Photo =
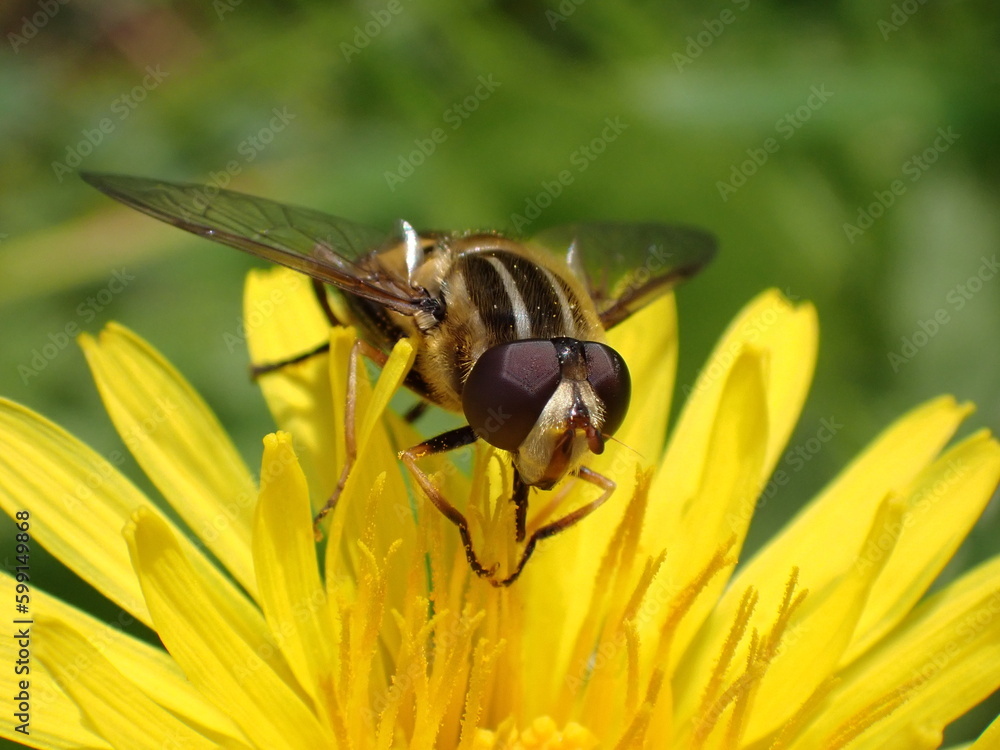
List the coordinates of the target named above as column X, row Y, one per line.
column 324, row 247
column 626, row 266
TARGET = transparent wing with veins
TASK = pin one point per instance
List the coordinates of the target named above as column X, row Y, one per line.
column 324, row 247
column 625, row 266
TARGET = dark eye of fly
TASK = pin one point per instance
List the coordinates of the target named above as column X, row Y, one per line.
column 507, row 390
column 609, row 376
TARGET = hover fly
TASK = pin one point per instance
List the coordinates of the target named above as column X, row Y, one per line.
column 509, row 333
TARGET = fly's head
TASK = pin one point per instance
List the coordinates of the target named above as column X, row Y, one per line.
column 548, row 402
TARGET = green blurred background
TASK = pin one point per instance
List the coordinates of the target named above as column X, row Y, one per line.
column 828, row 107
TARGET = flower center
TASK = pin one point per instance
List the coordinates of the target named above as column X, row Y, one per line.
column 542, row 734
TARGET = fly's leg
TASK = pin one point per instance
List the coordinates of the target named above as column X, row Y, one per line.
column 350, row 417
column 324, row 302
column 415, row 412
column 257, row 370
column 563, row 523
column 520, row 499
column 447, row 441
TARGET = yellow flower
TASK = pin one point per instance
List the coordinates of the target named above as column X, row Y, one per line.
column 633, row 629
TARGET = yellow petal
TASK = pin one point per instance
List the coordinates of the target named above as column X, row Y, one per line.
column 375, row 456
column 147, row 666
column 944, row 502
column 648, row 343
column 110, row 701
column 818, row 633
column 52, row 720
column 785, row 338
column 74, row 497
column 990, row 739
column 836, row 522
column 391, row 380
column 292, row 594
column 887, row 465
column 941, row 661
column 178, row 442
column 231, row 659
column 282, row 321
column 281, row 316
column 718, row 513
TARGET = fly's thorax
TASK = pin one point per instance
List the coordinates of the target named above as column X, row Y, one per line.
column 495, row 291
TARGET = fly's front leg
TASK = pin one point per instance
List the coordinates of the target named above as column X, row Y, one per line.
column 563, row 523
column 350, row 417
column 447, row 441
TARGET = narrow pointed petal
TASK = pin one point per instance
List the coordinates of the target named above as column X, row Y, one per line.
column 146, row 665
column 44, row 468
column 123, row 714
column 786, row 337
column 232, row 661
column 178, row 442
column 292, row 594
column 718, row 514
column 283, row 320
column 818, row 634
column 392, row 521
column 944, row 503
column 836, row 522
column 941, row 661
column 53, row 720
column 60, row 478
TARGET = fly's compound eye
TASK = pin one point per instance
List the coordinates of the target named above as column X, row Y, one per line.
column 609, row 377
column 507, row 390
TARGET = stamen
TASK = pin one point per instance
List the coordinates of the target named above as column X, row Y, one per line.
column 761, row 652
column 615, row 564
column 483, row 662
column 632, row 653
column 872, row 713
column 680, row 605
column 804, row 712
column 711, row 695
